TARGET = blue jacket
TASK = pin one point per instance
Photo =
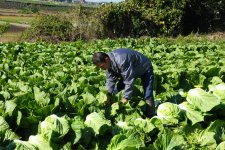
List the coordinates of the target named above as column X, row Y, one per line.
column 128, row 65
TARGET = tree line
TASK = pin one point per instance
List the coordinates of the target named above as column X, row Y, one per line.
column 135, row 18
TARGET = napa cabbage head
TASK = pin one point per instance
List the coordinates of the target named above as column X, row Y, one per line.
column 97, row 122
column 219, row 91
column 54, row 127
column 169, row 112
column 202, row 100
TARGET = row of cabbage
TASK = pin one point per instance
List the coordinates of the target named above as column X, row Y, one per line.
column 52, row 97
column 175, row 127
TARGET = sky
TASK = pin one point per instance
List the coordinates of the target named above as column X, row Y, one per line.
column 104, row 0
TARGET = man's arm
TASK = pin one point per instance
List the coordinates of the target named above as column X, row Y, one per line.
column 129, row 79
column 110, row 82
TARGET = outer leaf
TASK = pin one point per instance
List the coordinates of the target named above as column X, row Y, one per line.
column 88, row 98
column 218, row 127
column 219, row 90
column 77, row 126
column 39, row 142
column 168, row 140
column 144, row 124
column 3, row 124
column 202, row 100
column 97, row 122
column 126, row 141
column 221, row 146
column 6, row 133
column 10, row 107
column 41, row 97
column 196, row 135
column 19, row 117
column 54, row 127
column 192, row 114
column 21, row 145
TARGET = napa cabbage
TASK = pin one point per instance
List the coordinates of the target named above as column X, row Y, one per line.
column 54, row 127
column 219, row 90
column 202, row 100
column 97, row 122
column 129, row 140
column 169, row 112
column 191, row 113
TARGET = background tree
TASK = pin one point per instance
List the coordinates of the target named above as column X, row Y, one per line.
column 50, row 28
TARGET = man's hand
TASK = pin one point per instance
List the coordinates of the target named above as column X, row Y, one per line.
column 124, row 100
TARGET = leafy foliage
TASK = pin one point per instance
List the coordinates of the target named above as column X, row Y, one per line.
column 124, row 20
column 135, row 18
column 53, row 96
column 4, row 27
column 203, row 16
column 50, row 28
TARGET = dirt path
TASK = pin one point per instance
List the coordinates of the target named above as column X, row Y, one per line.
column 15, row 27
column 13, row 33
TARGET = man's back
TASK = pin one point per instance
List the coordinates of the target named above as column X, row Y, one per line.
column 123, row 59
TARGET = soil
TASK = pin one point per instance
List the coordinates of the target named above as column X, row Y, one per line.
column 15, row 27
column 13, row 33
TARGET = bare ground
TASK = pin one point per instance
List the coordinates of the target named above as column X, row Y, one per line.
column 13, row 33
column 15, row 27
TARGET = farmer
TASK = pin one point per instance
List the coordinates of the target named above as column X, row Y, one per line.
column 122, row 67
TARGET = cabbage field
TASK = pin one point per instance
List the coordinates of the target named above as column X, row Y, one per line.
column 52, row 98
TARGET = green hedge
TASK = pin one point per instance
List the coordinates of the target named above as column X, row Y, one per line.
column 50, row 28
column 135, row 18
column 204, row 16
column 124, row 20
